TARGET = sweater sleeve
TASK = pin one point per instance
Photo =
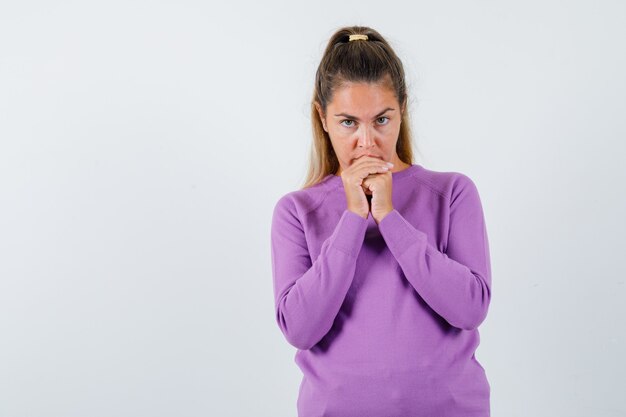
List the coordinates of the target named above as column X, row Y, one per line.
column 455, row 284
column 308, row 295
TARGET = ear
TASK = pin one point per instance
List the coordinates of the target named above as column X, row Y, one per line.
column 404, row 106
column 321, row 115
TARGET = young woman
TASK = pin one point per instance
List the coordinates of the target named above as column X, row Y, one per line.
column 381, row 267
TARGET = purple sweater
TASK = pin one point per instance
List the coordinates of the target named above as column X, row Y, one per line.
column 385, row 317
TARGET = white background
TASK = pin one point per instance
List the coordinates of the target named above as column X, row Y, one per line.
column 143, row 146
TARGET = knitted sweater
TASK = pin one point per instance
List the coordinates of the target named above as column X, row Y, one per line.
column 385, row 317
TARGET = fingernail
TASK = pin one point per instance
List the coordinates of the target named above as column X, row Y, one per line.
column 390, row 164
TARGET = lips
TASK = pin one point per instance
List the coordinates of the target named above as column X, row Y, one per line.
column 374, row 156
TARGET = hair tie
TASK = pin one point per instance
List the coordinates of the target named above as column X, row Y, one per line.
column 358, row 37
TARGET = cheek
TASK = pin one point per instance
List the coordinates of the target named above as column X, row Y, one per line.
column 342, row 149
column 389, row 139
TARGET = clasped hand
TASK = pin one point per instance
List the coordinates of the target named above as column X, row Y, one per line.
column 368, row 176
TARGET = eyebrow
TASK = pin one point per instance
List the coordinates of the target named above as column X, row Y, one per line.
column 356, row 118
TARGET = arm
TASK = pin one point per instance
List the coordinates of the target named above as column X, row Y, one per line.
column 455, row 284
column 308, row 295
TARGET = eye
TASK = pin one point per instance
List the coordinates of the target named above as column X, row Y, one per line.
column 352, row 121
column 347, row 120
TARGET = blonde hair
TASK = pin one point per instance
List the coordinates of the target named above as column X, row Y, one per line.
column 372, row 60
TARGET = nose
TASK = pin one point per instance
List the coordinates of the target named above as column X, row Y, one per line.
column 366, row 137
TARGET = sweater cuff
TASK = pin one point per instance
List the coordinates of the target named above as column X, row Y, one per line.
column 350, row 233
column 399, row 234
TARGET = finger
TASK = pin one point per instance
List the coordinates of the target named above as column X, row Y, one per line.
column 372, row 167
column 367, row 159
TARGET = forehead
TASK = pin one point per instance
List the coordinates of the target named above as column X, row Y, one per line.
column 363, row 96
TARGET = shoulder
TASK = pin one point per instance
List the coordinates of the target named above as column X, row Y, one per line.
column 446, row 184
column 300, row 202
